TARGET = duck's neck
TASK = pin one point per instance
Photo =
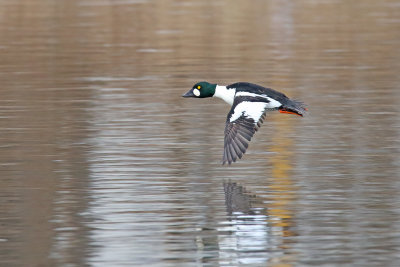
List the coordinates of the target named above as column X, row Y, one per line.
column 225, row 94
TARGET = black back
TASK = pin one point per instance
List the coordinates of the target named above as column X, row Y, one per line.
column 258, row 89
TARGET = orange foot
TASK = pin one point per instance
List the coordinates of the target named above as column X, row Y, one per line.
column 289, row 112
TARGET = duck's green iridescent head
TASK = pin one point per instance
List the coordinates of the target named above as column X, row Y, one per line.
column 201, row 90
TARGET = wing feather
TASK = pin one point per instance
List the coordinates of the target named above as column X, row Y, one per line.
column 244, row 119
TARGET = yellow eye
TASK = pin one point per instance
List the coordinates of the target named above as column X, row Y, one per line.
column 198, row 87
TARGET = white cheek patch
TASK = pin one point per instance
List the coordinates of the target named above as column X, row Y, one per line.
column 196, row 92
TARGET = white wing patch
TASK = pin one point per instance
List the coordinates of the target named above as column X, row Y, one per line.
column 253, row 110
column 272, row 102
column 249, row 94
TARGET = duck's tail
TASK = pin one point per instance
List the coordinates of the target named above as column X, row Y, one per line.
column 293, row 107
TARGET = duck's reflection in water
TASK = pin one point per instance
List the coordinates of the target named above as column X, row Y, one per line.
column 245, row 239
column 238, row 201
column 256, row 229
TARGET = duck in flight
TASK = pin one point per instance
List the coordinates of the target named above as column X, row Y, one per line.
column 250, row 103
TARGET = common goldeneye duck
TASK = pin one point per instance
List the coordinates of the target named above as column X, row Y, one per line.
column 250, row 103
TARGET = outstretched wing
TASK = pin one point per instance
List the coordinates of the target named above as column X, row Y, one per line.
column 244, row 119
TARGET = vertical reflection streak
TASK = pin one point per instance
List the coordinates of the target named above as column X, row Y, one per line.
column 282, row 190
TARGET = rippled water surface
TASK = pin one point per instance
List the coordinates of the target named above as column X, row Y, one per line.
column 103, row 163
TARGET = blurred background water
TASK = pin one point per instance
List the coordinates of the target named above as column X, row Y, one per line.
column 103, row 163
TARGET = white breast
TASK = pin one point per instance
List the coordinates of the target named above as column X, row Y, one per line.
column 225, row 94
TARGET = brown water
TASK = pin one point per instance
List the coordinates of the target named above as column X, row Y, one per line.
column 103, row 163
